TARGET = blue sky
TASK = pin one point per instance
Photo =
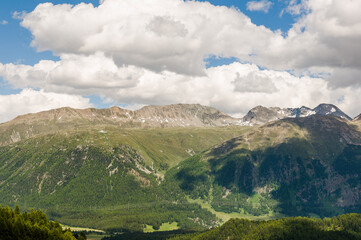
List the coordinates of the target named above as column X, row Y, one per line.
column 249, row 64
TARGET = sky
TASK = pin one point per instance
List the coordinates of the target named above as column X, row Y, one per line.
column 232, row 54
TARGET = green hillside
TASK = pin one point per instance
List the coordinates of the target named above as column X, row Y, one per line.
column 142, row 179
column 303, row 166
column 31, row 225
column 108, row 178
column 344, row 227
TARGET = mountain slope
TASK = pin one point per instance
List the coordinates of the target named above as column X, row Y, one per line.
column 108, row 169
column 299, row 166
column 178, row 115
column 261, row 115
column 82, row 165
column 106, row 177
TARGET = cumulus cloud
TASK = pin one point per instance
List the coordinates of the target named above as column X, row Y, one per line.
column 31, row 101
column 233, row 88
column 172, row 35
column 255, row 81
column 141, row 52
column 324, row 39
column 77, row 74
column 263, row 5
column 176, row 35
column 3, row 22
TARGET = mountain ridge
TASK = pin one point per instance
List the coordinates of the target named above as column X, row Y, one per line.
column 146, row 113
column 260, row 115
column 155, row 116
column 176, row 115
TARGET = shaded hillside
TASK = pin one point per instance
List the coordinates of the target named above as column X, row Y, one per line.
column 300, row 166
column 260, row 115
column 178, row 115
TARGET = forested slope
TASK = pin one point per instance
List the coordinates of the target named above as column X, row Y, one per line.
column 32, row 225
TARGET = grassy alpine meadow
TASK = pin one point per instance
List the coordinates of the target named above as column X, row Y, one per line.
column 163, row 228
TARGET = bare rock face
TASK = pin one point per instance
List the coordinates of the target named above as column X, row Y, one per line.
column 183, row 115
column 177, row 115
column 261, row 115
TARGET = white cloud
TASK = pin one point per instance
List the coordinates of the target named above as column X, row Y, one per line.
column 31, row 101
column 173, row 35
column 176, row 35
column 3, row 22
column 141, row 52
column 263, row 5
column 233, row 88
column 76, row 74
column 256, row 81
column 325, row 39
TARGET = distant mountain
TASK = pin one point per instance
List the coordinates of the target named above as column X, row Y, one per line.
column 261, row 115
column 329, row 109
column 295, row 166
column 177, row 115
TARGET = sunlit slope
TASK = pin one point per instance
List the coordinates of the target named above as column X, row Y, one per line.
column 57, row 120
column 78, row 176
column 302, row 166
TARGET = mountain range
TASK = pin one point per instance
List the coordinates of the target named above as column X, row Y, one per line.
column 186, row 164
column 261, row 115
column 177, row 115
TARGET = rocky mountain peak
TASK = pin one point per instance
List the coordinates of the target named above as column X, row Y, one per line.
column 261, row 115
column 330, row 109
